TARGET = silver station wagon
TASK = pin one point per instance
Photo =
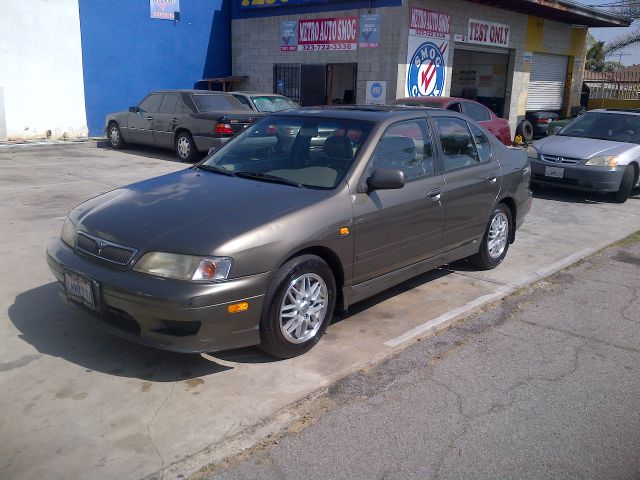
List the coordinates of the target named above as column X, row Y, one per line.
column 305, row 212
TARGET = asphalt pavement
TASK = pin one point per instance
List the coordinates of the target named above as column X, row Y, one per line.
column 543, row 385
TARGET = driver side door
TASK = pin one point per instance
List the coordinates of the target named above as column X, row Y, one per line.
column 141, row 121
column 395, row 228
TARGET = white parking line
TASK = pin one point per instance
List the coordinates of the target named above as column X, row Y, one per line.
column 500, row 292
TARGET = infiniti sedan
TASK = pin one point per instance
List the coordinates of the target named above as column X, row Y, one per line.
column 599, row 151
column 304, row 213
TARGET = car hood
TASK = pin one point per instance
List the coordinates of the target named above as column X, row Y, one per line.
column 190, row 211
column 576, row 147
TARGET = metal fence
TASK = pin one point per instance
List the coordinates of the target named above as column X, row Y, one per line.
column 622, row 85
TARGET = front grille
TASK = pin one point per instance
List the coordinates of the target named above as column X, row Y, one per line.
column 104, row 249
column 560, row 160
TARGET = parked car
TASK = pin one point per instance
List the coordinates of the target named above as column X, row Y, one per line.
column 481, row 114
column 599, row 151
column 260, row 242
column 540, row 123
column 264, row 102
column 189, row 121
column 556, row 125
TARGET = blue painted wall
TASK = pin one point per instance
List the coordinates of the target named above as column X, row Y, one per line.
column 126, row 54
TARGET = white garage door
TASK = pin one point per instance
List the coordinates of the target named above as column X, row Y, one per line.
column 546, row 84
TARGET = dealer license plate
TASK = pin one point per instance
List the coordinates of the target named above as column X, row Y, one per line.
column 555, row 172
column 79, row 290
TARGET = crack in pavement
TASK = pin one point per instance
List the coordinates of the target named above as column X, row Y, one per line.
column 150, row 437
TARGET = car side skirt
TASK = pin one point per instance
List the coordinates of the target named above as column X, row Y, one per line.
column 357, row 293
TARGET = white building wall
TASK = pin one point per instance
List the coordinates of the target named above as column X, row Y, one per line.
column 41, row 69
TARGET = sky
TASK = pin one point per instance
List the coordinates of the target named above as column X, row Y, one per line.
column 630, row 55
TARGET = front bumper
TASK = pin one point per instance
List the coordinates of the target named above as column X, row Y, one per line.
column 579, row 177
column 163, row 313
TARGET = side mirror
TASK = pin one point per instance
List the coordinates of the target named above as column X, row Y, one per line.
column 386, row 179
column 134, row 109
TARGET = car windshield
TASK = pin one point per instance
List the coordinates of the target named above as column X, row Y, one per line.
column 273, row 103
column 618, row 127
column 306, row 151
column 216, row 102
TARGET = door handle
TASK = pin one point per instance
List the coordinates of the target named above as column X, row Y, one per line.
column 149, row 118
column 434, row 194
column 491, row 178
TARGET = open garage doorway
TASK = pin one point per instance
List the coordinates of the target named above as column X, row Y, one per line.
column 341, row 83
column 481, row 75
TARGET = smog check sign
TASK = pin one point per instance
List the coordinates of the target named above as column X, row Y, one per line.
column 328, row 34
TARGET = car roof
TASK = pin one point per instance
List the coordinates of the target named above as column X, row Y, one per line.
column 193, row 91
column 375, row 113
column 436, row 99
column 625, row 111
column 262, row 94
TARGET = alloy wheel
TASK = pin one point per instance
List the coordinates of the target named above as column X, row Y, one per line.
column 498, row 235
column 303, row 308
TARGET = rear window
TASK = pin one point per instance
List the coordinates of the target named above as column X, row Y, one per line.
column 215, row 102
column 272, row 103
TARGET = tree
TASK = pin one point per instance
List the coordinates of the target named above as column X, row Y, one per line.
column 631, row 10
column 595, row 54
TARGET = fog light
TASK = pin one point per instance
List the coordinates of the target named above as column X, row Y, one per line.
column 238, row 307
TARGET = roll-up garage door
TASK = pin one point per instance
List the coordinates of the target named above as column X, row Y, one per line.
column 546, row 83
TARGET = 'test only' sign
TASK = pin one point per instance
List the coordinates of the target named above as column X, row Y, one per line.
column 488, row 33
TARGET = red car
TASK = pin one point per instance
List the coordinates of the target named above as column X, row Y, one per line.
column 481, row 114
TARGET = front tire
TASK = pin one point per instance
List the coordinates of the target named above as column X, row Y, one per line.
column 626, row 185
column 185, row 147
column 115, row 136
column 495, row 241
column 298, row 307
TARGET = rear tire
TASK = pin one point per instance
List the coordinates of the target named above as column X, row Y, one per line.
column 298, row 307
column 626, row 185
column 185, row 147
column 495, row 241
column 525, row 130
column 114, row 135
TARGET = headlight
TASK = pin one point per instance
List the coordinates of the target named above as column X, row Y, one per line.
column 68, row 232
column 532, row 152
column 603, row 161
column 184, row 267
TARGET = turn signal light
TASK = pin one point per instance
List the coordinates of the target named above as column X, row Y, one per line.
column 223, row 129
column 238, row 307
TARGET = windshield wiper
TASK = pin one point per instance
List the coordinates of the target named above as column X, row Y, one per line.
column 267, row 178
column 212, row 168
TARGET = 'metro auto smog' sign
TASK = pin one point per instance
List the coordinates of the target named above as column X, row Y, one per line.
column 328, row 34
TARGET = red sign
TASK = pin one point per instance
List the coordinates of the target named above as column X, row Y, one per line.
column 328, row 34
column 427, row 23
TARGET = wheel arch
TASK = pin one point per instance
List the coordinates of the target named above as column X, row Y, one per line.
column 333, row 260
column 636, row 168
column 511, row 205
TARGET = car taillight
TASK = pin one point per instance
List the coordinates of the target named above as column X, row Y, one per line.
column 543, row 120
column 223, row 129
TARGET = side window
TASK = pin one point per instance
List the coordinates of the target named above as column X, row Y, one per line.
column 482, row 143
column 406, row 146
column 459, row 149
column 180, row 107
column 477, row 112
column 455, row 107
column 151, row 103
column 168, row 104
column 243, row 100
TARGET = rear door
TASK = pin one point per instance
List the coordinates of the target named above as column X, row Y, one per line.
column 472, row 179
column 395, row 228
column 140, row 122
column 165, row 120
